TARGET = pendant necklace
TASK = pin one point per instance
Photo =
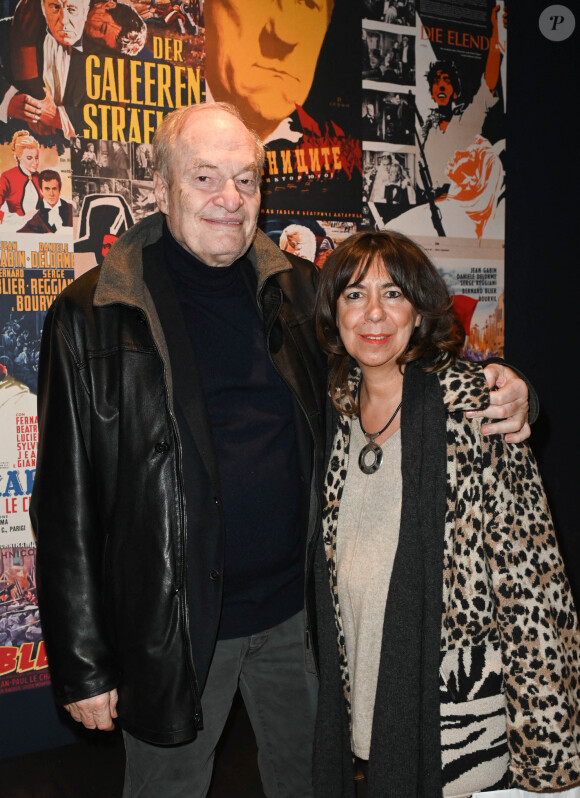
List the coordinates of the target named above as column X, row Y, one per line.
column 373, row 447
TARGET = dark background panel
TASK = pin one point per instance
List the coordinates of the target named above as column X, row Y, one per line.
column 542, row 241
column 31, row 722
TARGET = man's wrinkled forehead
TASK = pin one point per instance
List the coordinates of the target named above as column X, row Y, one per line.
column 216, row 164
column 57, row 5
column 214, row 139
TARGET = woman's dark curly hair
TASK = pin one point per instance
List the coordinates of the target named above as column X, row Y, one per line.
column 438, row 338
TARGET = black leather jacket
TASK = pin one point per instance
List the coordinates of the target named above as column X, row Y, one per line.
column 108, row 506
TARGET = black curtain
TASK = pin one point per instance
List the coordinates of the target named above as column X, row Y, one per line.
column 542, row 264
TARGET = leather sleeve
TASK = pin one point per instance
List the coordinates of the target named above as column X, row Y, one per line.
column 65, row 517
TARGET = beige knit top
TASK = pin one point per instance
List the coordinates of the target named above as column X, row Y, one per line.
column 367, row 538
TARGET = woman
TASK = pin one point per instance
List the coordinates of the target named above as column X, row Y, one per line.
column 89, row 160
column 447, row 636
column 19, row 186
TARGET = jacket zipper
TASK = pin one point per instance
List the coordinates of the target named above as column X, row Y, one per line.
column 183, row 535
column 183, row 565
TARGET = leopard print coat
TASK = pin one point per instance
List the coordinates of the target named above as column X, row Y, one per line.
column 509, row 638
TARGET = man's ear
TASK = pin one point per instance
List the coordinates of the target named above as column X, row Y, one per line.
column 161, row 191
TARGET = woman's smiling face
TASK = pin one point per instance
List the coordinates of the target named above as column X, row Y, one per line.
column 374, row 319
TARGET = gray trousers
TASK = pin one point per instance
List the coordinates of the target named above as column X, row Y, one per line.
column 280, row 698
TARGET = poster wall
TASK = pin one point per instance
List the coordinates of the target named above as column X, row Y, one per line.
column 389, row 119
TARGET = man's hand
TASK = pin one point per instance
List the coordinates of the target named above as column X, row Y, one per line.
column 97, row 712
column 49, row 115
column 25, row 107
column 42, row 115
column 509, row 402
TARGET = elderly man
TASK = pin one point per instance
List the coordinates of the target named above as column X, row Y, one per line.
column 48, row 94
column 176, row 495
column 300, row 240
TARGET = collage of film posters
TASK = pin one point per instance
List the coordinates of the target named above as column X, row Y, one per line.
column 433, row 114
column 293, row 70
column 83, row 86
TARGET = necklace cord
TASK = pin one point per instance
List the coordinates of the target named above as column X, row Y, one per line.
column 374, row 435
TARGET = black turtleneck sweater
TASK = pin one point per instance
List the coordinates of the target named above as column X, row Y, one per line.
column 250, row 411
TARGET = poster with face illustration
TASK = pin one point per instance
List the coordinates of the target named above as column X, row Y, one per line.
column 292, row 70
column 433, row 113
column 433, row 145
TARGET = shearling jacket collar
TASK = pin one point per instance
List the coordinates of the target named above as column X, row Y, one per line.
column 122, row 271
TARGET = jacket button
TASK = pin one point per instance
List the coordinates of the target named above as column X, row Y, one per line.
column 216, row 500
column 161, row 447
column 214, row 575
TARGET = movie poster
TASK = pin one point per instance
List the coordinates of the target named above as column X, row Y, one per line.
column 128, row 94
column 475, row 280
column 36, row 263
column 292, row 70
column 433, row 119
column 308, row 236
column 22, row 656
column 23, row 663
column 22, row 660
column 433, row 115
